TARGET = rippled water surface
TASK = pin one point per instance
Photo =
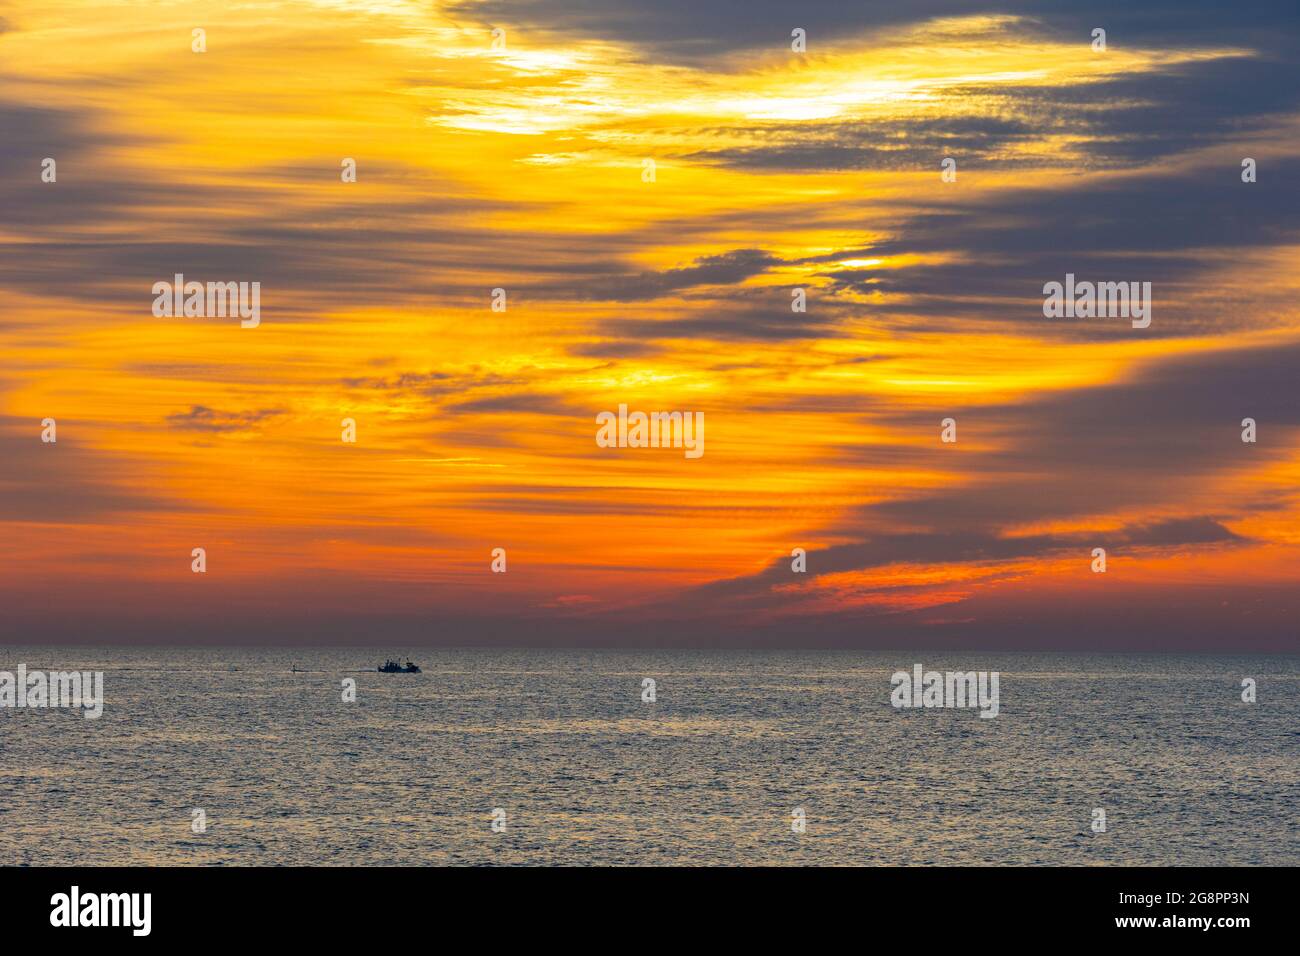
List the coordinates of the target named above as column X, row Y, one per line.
column 587, row 772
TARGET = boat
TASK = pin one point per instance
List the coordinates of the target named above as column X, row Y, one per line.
column 393, row 667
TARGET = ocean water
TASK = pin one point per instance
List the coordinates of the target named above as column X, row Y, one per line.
column 588, row 773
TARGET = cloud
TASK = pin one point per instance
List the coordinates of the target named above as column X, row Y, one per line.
column 965, row 547
column 1154, row 444
column 615, row 349
column 746, row 315
column 200, row 418
column 724, row 269
column 983, row 261
column 1149, row 442
column 69, row 481
column 1115, row 122
column 684, row 31
column 529, row 403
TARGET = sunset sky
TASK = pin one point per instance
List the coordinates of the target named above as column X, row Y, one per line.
column 522, row 168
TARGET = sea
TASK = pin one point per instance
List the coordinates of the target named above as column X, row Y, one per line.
column 238, row 756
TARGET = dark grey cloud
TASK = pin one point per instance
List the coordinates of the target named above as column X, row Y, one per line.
column 200, row 418
column 32, row 133
column 690, row 32
column 68, row 481
column 1119, row 122
column 1147, row 442
column 900, row 145
column 1165, row 211
column 1139, row 444
column 534, row 403
column 81, row 238
column 424, row 383
column 972, row 547
column 1167, row 227
column 615, row 349
column 723, row 269
column 732, row 320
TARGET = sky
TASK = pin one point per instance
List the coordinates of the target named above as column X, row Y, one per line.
column 650, row 184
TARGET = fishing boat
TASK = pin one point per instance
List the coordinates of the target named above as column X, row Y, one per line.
column 393, row 667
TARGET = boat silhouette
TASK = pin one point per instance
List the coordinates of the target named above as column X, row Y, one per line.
column 393, row 667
